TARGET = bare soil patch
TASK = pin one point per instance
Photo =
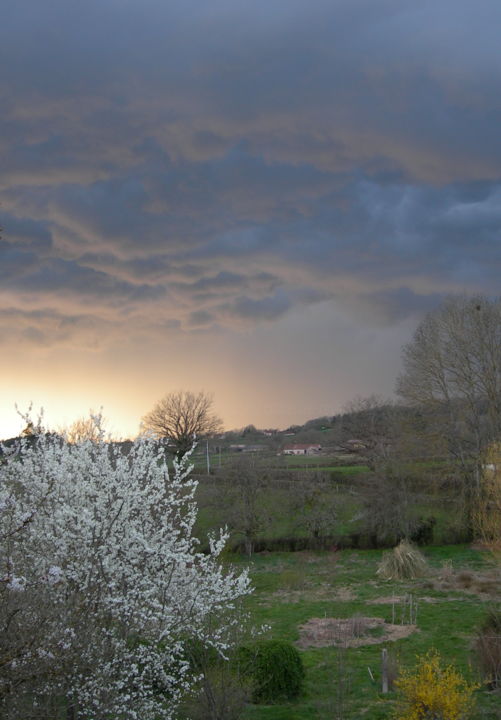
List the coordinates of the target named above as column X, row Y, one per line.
column 397, row 599
column 350, row 632
column 325, row 591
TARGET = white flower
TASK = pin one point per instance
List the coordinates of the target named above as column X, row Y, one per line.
column 54, row 574
column 118, row 530
column 16, row 584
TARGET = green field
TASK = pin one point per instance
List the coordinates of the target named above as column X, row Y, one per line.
column 342, row 488
column 292, row 588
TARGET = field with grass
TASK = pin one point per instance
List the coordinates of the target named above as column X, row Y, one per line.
column 344, row 491
column 344, row 681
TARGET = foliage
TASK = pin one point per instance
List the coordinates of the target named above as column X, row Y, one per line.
column 487, row 648
column 101, row 581
column 275, row 669
column 405, row 561
column 434, row 692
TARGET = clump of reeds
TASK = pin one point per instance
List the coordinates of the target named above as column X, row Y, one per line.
column 404, row 562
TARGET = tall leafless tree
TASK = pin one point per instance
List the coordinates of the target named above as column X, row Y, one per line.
column 452, row 370
column 181, row 417
column 242, row 493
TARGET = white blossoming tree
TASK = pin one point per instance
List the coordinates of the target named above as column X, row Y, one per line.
column 101, row 582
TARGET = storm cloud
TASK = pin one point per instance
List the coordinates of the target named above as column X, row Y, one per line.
column 179, row 168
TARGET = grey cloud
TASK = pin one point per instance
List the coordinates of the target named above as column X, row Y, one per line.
column 388, row 307
column 22, row 271
column 267, row 308
column 28, row 232
column 200, row 318
column 356, row 79
column 221, row 162
column 46, row 326
column 226, row 282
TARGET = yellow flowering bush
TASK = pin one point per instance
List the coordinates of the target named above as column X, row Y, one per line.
column 434, row 692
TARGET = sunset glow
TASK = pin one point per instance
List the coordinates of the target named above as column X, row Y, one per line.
column 260, row 201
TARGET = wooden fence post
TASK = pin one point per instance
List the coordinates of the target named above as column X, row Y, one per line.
column 384, row 669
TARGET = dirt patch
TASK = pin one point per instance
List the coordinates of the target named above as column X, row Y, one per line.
column 344, row 593
column 386, row 600
column 321, row 592
column 350, row 632
column 397, row 599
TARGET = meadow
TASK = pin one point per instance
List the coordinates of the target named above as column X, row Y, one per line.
column 449, row 603
column 316, row 497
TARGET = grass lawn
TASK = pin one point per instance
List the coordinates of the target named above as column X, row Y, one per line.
column 292, row 588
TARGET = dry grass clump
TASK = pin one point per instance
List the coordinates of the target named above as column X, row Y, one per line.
column 404, row 562
column 469, row 581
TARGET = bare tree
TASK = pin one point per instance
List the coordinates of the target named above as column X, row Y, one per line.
column 452, row 370
column 376, row 424
column 242, row 493
column 85, row 428
column 313, row 505
column 181, row 417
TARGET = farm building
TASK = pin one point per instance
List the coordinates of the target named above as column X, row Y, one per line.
column 301, row 449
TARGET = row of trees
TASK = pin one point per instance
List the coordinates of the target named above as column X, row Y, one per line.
column 449, row 410
column 452, row 375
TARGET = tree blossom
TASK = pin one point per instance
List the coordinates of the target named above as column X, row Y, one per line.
column 102, row 582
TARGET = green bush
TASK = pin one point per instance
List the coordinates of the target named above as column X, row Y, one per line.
column 275, row 670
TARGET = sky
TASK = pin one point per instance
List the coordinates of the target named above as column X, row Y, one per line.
column 260, row 200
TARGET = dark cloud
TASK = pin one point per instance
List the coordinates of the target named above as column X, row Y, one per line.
column 47, row 326
column 27, row 232
column 210, row 164
column 267, row 308
column 22, row 271
column 201, row 317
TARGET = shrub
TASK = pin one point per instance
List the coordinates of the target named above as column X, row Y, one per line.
column 488, row 648
column 275, row 670
column 435, row 692
column 404, row 562
column 102, row 581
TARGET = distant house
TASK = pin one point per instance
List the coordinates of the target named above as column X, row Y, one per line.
column 247, row 448
column 354, row 445
column 301, row 449
column 254, row 448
